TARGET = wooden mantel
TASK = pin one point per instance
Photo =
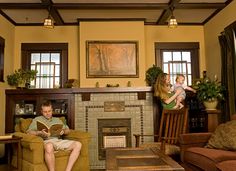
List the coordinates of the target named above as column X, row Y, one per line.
column 82, row 90
column 86, row 92
column 112, row 90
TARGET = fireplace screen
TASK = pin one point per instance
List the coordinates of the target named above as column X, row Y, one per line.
column 114, row 141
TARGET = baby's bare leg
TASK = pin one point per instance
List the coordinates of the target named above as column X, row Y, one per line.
column 179, row 105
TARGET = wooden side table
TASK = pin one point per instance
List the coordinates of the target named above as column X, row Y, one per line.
column 213, row 119
column 11, row 141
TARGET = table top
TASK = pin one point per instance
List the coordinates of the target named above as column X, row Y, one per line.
column 9, row 139
column 139, row 159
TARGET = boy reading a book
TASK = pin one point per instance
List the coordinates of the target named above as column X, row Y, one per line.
column 51, row 140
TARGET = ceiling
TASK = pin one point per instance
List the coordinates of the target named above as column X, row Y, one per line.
column 71, row 12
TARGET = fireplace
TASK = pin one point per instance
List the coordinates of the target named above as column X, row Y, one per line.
column 113, row 133
column 112, row 119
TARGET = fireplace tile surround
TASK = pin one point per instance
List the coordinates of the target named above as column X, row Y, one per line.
column 89, row 110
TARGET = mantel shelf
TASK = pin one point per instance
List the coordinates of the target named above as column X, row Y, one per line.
column 80, row 90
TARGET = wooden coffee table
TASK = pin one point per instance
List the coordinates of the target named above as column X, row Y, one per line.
column 139, row 159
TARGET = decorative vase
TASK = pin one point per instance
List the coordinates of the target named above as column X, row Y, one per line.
column 210, row 105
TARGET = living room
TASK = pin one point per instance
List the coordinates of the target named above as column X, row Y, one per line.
column 76, row 36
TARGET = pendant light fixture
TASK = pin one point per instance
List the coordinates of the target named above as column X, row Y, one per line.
column 172, row 21
column 48, row 22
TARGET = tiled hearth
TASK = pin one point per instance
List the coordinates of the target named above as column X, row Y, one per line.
column 127, row 106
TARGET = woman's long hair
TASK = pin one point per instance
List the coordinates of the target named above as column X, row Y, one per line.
column 161, row 88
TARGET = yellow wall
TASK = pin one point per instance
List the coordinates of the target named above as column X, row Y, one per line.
column 146, row 35
column 180, row 34
column 7, row 32
column 211, row 32
column 114, row 31
column 66, row 34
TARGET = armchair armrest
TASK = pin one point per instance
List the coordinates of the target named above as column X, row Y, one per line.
column 32, row 147
column 28, row 140
column 77, row 135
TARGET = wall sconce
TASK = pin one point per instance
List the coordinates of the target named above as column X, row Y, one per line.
column 172, row 21
column 48, row 22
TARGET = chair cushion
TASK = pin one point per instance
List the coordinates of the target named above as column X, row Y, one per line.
column 170, row 149
column 206, row 158
column 224, row 137
column 24, row 124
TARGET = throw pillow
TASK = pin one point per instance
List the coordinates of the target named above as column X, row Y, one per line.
column 24, row 124
column 224, row 137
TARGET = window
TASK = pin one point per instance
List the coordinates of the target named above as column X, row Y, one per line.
column 176, row 58
column 50, row 60
column 2, row 45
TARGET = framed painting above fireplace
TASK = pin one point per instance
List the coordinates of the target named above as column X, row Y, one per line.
column 111, row 59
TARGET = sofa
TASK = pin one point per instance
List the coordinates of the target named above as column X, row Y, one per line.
column 33, row 150
column 195, row 156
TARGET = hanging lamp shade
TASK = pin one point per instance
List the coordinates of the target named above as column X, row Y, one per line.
column 172, row 21
column 48, row 22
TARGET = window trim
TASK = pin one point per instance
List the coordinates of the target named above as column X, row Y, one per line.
column 2, row 46
column 193, row 47
column 28, row 48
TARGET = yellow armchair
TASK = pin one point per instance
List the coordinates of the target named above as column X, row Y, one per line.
column 33, row 150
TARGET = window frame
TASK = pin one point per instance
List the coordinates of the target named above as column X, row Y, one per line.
column 28, row 48
column 193, row 47
column 2, row 47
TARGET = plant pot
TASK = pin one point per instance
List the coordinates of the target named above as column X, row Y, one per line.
column 210, row 105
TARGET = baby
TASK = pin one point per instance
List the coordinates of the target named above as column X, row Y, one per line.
column 179, row 84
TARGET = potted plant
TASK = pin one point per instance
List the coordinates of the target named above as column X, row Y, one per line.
column 21, row 77
column 151, row 74
column 209, row 92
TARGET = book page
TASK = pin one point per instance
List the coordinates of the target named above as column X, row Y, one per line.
column 54, row 129
column 41, row 126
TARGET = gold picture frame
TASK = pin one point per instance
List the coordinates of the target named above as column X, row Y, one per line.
column 111, row 59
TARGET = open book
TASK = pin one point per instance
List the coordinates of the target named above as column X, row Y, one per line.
column 54, row 130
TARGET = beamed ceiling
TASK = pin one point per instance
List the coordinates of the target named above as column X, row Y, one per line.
column 71, row 12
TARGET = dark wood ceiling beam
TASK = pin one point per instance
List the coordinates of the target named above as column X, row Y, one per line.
column 56, row 16
column 7, row 17
column 110, row 5
column 200, row 6
column 21, row 6
column 167, row 13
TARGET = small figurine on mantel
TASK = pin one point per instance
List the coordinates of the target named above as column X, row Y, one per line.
column 72, row 83
column 113, row 85
column 129, row 84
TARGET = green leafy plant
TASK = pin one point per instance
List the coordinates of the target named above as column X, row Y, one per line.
column 151, row 74
column 21, row 77
column 208, row 90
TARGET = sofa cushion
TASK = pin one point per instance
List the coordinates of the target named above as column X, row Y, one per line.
column 227, row 165
column 224, row 137
column 206, row 158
